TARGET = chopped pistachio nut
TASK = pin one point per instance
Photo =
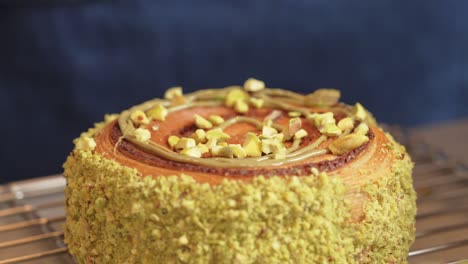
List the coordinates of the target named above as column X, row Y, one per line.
column 223, row 144
column 315, row 171
column 275, row 114
column 271, row 145
column 359, row 112
column 361, row 129
column 323, row 97
column 217, row 134
column 142, row 134
column 201, row 122
column 138, row 117
column 238, row 151
column 293, row 126
column 185, row 143
column 252, row 145
column 320, row 120
column 235, row 95
column 211, row 143
column 226, row 152
column 216, row 150
column 173, row 140
column 85, row 143
column 330, row 130
column 346, row 123
column 183, row 240
column 192, row 152
column 178, row 100
column 280, row 154
column 300, row 134
column 173, row 92
column 199, row 135
column 279, row 136
column 241, row 106
column 159, row 112
column 347, row 143
column 294, row 114
column 256, row 102
column 254, row 85
column 203, row 148
column 216, row 119
column 268, row 131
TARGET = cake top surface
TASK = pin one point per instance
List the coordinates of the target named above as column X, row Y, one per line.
column 245, row 126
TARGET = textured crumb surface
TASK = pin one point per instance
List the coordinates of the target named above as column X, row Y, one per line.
column 116, row 215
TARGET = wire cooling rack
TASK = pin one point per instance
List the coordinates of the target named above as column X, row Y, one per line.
column 32, row 214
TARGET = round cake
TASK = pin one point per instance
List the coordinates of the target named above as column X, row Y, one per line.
column 242, row 174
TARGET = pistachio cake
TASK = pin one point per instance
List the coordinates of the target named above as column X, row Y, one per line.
column 242, row 174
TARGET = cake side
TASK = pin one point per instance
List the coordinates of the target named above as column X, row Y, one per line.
column 116, row 215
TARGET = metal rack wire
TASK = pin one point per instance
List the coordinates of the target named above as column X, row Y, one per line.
column 32, row 214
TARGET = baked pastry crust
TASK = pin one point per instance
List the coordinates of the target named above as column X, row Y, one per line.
column 123, row 208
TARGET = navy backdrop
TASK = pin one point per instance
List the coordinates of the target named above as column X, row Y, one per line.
column 62, row 67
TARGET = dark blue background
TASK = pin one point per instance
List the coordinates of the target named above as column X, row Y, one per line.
column 62, row 67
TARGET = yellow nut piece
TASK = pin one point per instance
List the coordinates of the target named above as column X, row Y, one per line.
column 211, row 143
column 256, row 102
column 268, row 131
column 346, row 123
column 254, row 85
column 359, row 112
column 252, row 145
column 315, row 171
column 279, row 136
column 201, row 122
column 203, row 148
column 159, row 112
column 320, row 120
column 185, row 143
column 293, row 126
column 294, row 114
column 270, row 145
column 347, row 143
column 300, row 134
column 216, row 150
column 138, row 117
column 199, row 135
column 85, row 143
column 178, row 100
column 223, row 144
column 142, row 134
column 330, row 130
column 280, row 154
column 192, row 152
column 173, row 140
column 217, row 134
column 238, row 151
column 361, row 129
column 241, row 106
column 275, row 114
column 216, row 119
column 183, row 240
column 235, row 95
column 226, row 152
column 323, row 97
column 173, row 92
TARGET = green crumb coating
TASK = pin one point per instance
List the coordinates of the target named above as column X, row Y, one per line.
column 388, row 229
column 115, row 215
